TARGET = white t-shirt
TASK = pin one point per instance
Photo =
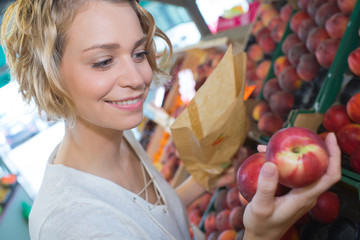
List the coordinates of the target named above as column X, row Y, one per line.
column 72, row 204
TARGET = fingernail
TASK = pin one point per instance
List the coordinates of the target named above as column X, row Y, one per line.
column 268, row 169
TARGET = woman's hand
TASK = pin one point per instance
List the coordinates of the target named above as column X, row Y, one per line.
column 268, row 217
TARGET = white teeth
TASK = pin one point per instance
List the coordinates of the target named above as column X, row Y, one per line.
column 128, row 102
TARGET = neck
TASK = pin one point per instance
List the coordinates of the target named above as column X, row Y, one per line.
column 90, row 148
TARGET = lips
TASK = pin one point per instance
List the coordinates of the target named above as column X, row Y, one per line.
column 126, row 102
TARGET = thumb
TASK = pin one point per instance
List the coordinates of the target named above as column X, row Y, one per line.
column 267, row 184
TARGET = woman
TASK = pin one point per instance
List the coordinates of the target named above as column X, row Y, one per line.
column 91, row 62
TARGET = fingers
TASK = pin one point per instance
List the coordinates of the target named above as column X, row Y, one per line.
column 261, row 148
column 266, row 188
column 334, row 168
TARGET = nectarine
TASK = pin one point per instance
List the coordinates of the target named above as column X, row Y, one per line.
column 297, row 18
column 308, row 67
column 353, row 108
column 335, row 118
column 280, row 64
column 355, row 160
column 349, row 138
column 354, row 61
column 281, row 103
column 336, row 25
column 269, row 123
column 326, row 51
column 324, row 12
column 289, row 80
column 326, row 209
column 300, row 154
column 271, row 86
column 315, row 37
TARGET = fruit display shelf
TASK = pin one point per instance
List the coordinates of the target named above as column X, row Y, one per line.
column 330, row 82
column 334, row 78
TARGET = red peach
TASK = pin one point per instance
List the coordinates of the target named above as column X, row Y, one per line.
column 262, row 32
column 302, row 4
column 262, row 69
column 255, row 52
column 271, row 86
column 236, row 218
column 304, row 29
column 278, row 32
column 222, row 220
column 195, row 216
column 296, row 52
column 280, row 64
column 268, row 15
column 326, row 209
column 353, row 108
column 281, row 103
column 228, row 234
column 297, row 18
column 247, row 176
column 314, row 5
column 267, row 43
column 335, row 118
column 346, row 5
column 220, row 202
column 300, row 154
column 210, row 222
column 286, row 11
column 204, row 201
column 308, row 67
column 315, row 37
column 336, row 25
column 288, row 42
column 349, row 138
column 355, row 160
column 274, row 22
column 354, row 61
column 263, row 7
column 326, row 51
column 269, row 123
column 232, row 197
column 324, row 12
column 289, row 80
column 257, row 26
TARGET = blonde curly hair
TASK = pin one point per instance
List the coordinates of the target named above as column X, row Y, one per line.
column 33, row 34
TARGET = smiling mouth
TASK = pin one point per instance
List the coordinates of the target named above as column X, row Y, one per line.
column 127, row 102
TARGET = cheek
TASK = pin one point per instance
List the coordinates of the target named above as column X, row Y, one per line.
column 147, row 73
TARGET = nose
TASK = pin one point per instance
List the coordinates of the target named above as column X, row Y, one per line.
column 130, row 74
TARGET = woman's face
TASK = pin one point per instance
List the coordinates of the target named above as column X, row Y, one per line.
column 105, row 67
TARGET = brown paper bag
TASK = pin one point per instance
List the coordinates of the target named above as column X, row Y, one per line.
column 214, row 124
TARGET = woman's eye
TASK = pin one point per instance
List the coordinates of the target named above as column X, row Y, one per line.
column 103, row 64
column 140, row 55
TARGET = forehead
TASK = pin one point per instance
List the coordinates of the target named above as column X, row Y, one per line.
column 104, row 21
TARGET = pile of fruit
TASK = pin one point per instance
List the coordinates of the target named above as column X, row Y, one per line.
column 307, row 54
column 344, row 120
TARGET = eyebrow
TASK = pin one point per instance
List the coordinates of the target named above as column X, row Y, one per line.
column 114, row 45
